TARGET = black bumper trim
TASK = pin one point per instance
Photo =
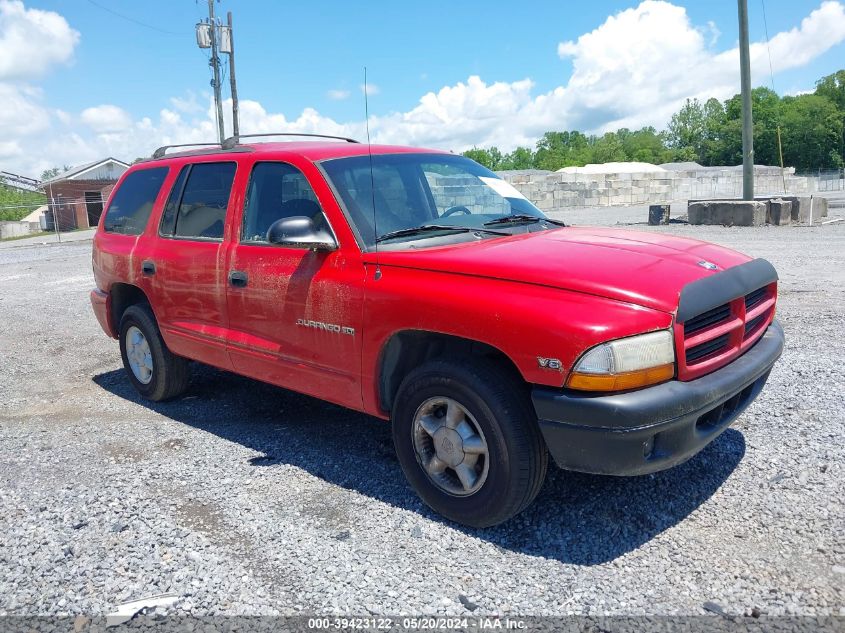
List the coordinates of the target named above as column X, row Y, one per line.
column 654, row 428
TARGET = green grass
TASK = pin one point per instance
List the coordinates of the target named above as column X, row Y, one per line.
column 24, row 237
column 41, row 234
column 22, row 202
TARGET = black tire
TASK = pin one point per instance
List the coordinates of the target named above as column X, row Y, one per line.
column 500, row 405
column 170, row 373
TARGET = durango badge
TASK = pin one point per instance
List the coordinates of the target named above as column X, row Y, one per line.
column 327, row 327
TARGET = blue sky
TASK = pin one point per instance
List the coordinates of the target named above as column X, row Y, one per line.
column 290, row 54
column 118, row 86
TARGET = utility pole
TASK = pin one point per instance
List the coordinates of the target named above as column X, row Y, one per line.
column 215, row 65
column 51, row 206
column 747, row 121
column 236, row 128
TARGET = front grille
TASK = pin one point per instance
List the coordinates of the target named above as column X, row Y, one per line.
column 707, row 341
column 753, row 298
column 753, row 323
column 708, row 348
column 707, row 319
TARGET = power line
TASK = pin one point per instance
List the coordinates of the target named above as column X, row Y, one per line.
column 133, row 20
column 768, row 48
column 772, row 77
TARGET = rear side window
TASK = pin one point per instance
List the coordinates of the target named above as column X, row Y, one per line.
column 171, row 208
column 133, row 201
column 197, row 204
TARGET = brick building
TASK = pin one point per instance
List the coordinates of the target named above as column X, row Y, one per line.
column 78, row 195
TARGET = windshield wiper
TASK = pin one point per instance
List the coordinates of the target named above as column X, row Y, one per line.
column 520, row 218
column 424, row 228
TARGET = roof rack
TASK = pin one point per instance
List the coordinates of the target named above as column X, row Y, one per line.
column 233, row 141
column 161, row 151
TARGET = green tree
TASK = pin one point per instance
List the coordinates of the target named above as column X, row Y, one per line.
column 832, row 87
column 608, row 149
column 687, row 128
column 490, row 158
column 812, row 132
column 562, row 149
column 766, row 111
column 645, row 145
column 47, row 174
column 714, row 123
column 520, row 158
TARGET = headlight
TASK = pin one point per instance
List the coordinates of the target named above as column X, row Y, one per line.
column 626, row 363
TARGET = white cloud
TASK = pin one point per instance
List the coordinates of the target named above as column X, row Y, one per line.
column 338, row 94
column 797, row 92
column 642, row 63
column 189, row 104
column 21, row 113
column 460, row 116
column 32, row 41
column 634, row 69
column 370, row 89
column 10, row 150
column 714, row 32
column 106, row 118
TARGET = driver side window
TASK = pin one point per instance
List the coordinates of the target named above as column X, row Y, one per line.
column 276, row 191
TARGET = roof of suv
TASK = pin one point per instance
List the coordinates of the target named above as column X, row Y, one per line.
column 312, row 150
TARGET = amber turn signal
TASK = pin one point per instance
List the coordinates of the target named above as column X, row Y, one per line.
column 623, row 381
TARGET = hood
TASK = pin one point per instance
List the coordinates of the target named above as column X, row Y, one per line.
column 647, row 269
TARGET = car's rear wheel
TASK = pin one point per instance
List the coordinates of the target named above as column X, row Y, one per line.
column 467, row 440
column 154, row 371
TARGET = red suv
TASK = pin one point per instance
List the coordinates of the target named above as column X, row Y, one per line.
column 419, row 287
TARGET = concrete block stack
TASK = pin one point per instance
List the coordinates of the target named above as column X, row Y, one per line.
column 560, row 190
column 779, row 211
column 728, row 212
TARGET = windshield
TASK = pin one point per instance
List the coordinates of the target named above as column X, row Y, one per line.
column 414, row 190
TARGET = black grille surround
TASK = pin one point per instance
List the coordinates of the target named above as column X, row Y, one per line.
column 721, row 315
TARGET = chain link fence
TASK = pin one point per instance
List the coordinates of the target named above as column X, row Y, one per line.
column 827, row 179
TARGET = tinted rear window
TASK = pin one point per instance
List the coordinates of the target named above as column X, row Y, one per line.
column 133, row 201
column 168, row 218
column 205, row 196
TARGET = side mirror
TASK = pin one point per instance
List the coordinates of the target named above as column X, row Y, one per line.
column 300, row 231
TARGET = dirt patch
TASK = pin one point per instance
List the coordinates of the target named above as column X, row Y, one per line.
column 174, row 444
column 329, row 510
column 123, row 453
column 200, row 516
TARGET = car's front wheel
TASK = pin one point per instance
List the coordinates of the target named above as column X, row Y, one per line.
column 153, row 370
column 468, row 441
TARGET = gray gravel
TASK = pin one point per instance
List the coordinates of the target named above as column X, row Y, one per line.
column 243, row 498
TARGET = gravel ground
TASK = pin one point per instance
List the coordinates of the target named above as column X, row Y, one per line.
column 241, row 498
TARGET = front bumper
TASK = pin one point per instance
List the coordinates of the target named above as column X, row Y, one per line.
column 652, row 429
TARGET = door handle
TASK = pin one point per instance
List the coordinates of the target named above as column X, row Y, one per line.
column 238, row 278
column 148, row 267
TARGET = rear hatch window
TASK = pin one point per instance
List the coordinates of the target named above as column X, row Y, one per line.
column 133, row 201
